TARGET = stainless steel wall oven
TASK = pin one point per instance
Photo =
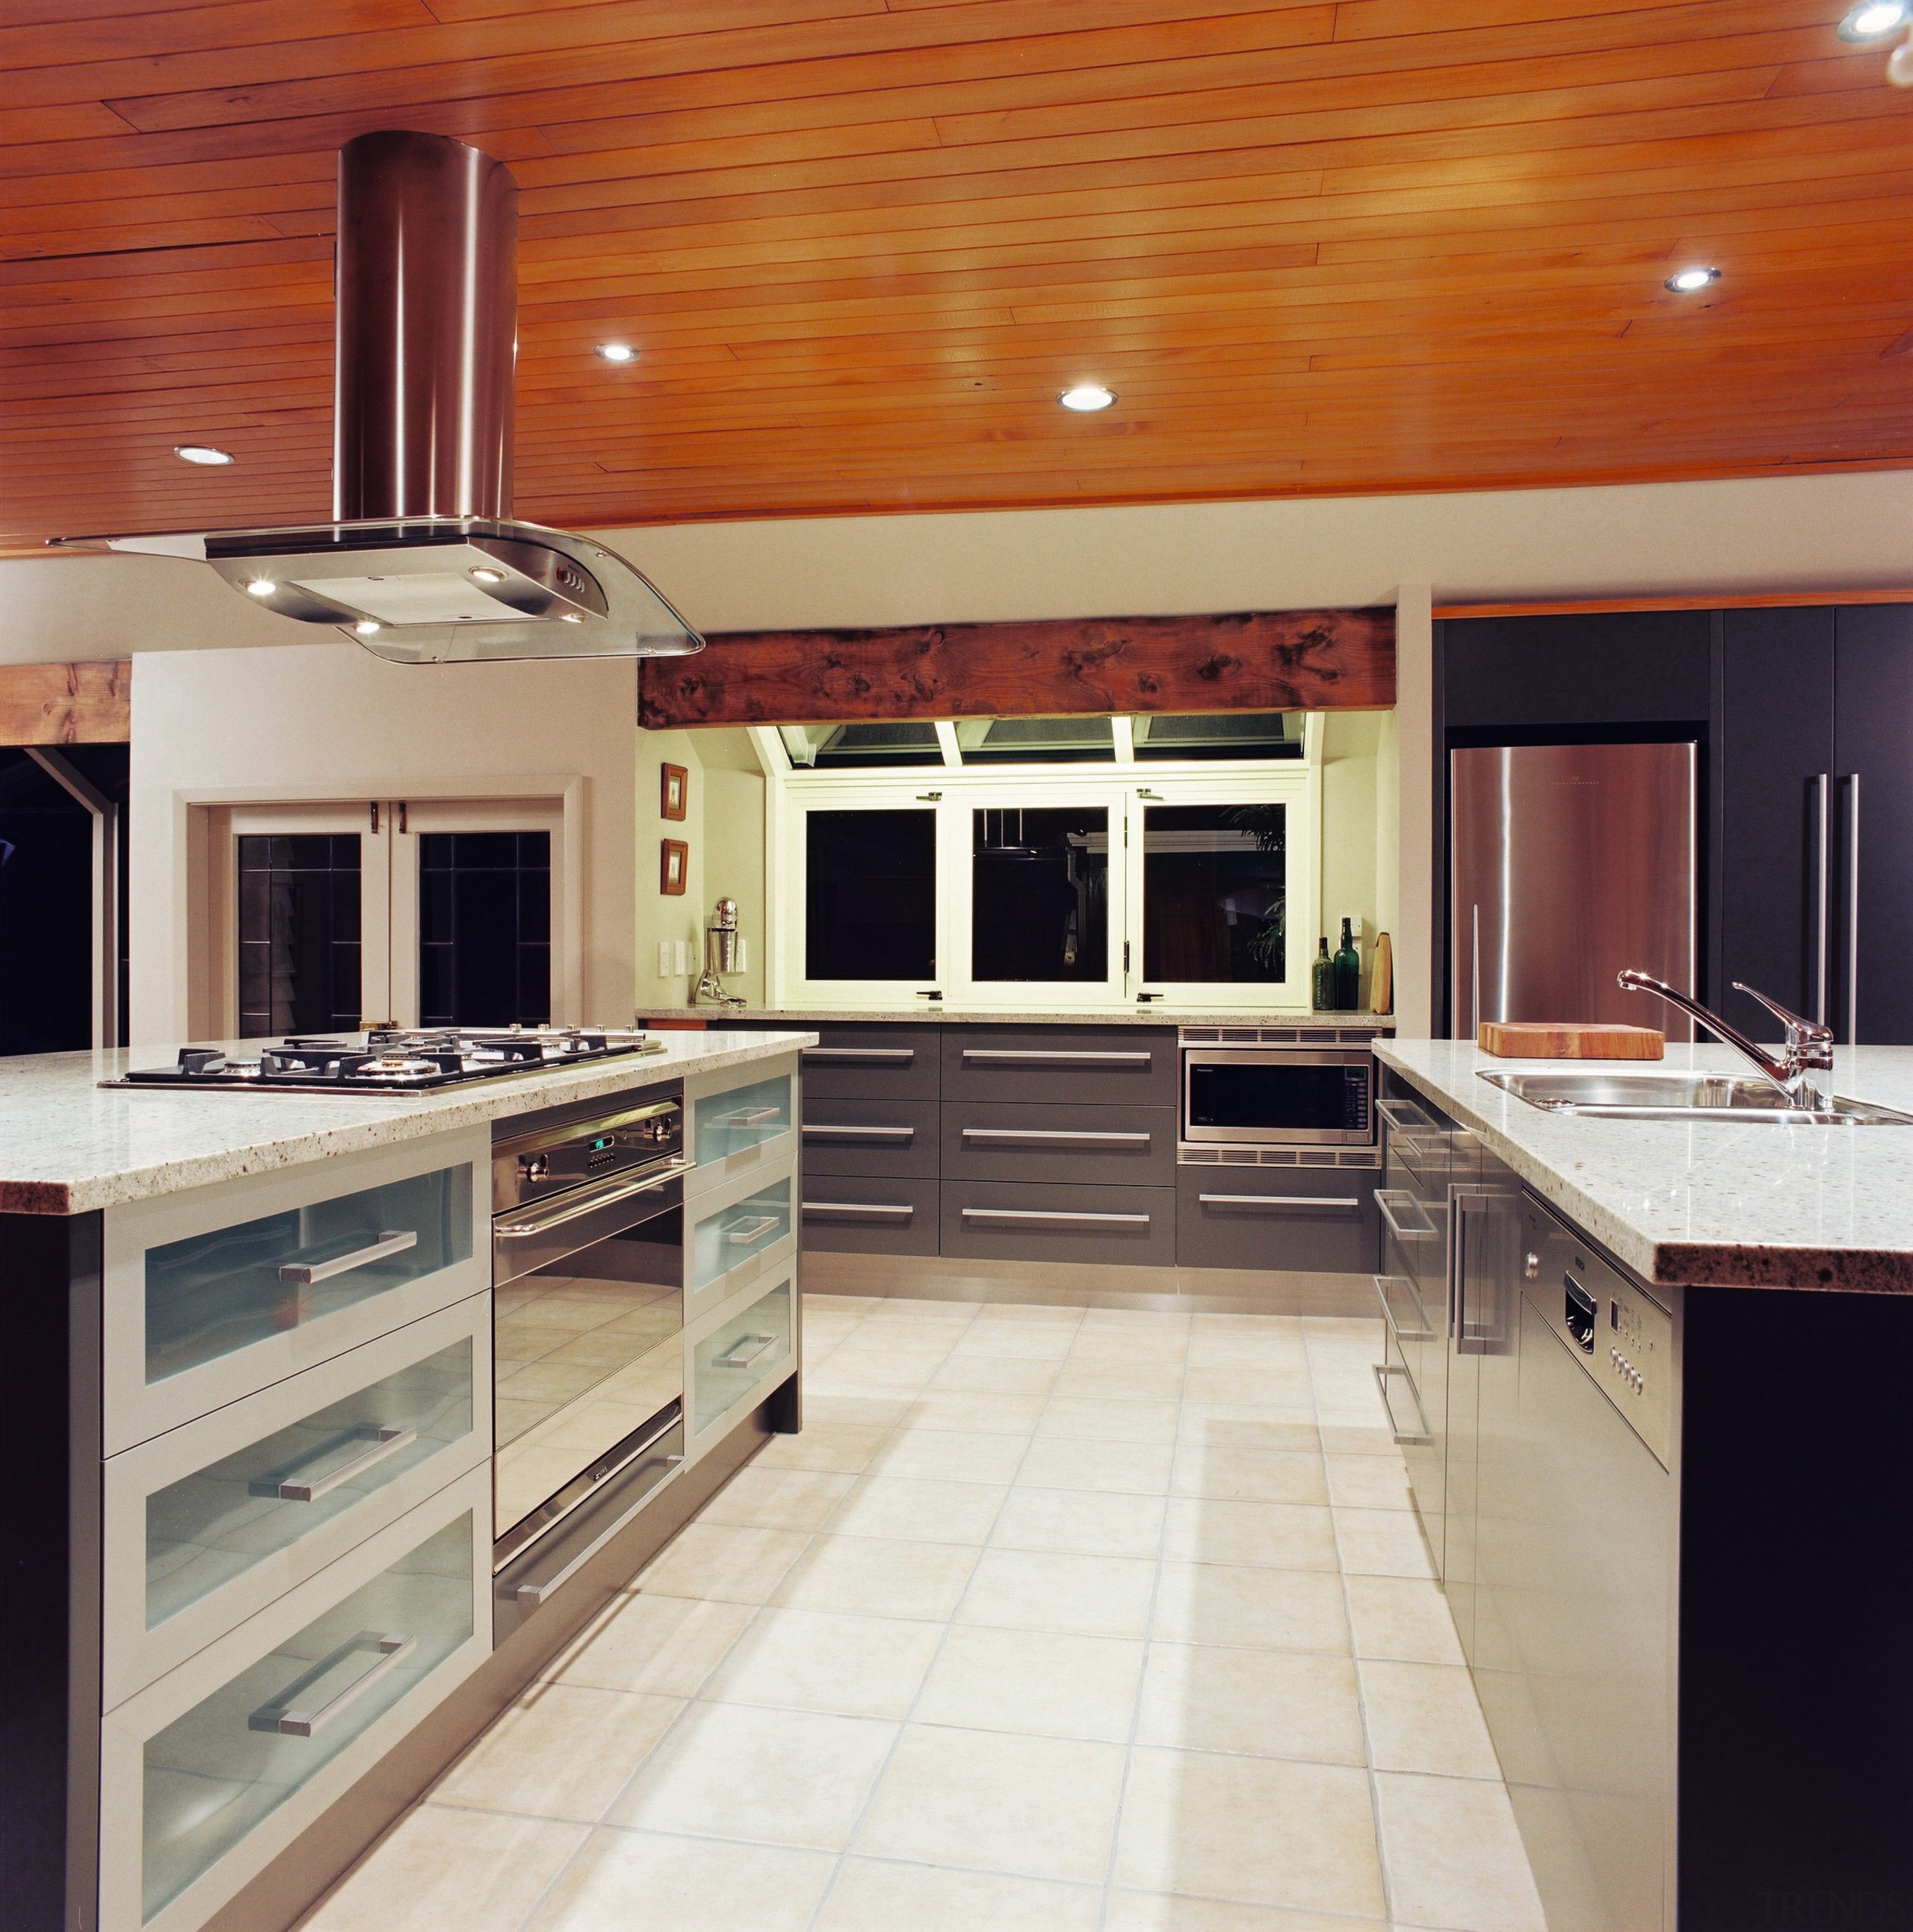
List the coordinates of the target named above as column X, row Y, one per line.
column 1264, row 1096
column 587, row 1242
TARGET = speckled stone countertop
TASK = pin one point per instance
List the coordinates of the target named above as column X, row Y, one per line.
column 1726, row 1205
column 68, row 1145
column 928, row 1015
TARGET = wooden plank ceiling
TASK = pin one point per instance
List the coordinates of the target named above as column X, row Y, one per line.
column 861, row 245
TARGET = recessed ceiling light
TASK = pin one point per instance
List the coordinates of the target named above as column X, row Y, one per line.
column 1087, row 396
column 487, row 576
column 1874, row 20
column 365, row 627
column 262, row 587
column 1688, row 280
column 200, row 452
column 617, row 351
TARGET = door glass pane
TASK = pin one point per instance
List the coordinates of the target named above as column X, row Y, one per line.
column 1213, row 903
column 298, row 932
column 485, row 928
column 870, row 896
column 1039, row 894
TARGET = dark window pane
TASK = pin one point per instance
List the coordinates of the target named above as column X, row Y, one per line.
column 485, row 928
column 298, row 933
column 1046, row 741
column 870, row 896
column 1214, row 905
column 860, row 747
column 1039, row 894
column 1226, row 734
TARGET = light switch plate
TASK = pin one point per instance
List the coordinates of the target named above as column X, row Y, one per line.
column 667, row 959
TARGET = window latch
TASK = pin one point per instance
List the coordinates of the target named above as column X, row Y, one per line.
column 928, row 797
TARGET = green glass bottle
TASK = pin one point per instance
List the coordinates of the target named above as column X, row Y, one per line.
column 1321, row 981
column 1348, row 971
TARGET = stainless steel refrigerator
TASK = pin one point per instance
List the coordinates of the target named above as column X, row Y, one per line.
column 1566, row 863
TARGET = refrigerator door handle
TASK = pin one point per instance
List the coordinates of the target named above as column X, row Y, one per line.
column 1823, row 785
column 1474, row 968
column 1853, row 909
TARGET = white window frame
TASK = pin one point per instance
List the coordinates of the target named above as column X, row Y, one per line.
column 1125, row 787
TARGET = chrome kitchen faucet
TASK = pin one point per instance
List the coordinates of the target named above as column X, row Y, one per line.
column 1808, row 1050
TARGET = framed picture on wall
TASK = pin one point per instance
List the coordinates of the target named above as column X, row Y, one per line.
column 673, row 791
column 674, row 865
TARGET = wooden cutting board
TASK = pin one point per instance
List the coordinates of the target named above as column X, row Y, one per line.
column 1533, row 1040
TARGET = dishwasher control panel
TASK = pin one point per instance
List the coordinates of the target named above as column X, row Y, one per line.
column 1621, row 1336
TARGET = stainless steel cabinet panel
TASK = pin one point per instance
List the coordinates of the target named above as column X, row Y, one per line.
column 898, row 1063
column 1315, row 1219
column 1132, row 1067
column 1132, row 1147
column 870, row 1214
column 1006, row 1221
column 870, row 1134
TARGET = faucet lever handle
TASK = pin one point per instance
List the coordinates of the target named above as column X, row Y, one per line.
column 1803, row 1030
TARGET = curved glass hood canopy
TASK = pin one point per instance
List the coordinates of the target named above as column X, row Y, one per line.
column 422, row 562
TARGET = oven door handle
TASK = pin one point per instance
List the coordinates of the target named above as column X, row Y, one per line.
column 587, row 1200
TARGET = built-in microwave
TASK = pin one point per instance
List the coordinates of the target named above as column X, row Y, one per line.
column 1278, row 1096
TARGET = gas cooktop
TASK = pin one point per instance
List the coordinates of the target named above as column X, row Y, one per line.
column 393, row 1061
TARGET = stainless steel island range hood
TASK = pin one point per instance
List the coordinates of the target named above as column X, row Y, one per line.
column 422, row 562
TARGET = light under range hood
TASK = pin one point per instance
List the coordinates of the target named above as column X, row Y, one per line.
column 422, row 562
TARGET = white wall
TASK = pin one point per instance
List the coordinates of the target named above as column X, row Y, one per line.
column 274, row 725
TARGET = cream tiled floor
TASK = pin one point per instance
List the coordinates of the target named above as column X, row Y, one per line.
column 1050, row 1621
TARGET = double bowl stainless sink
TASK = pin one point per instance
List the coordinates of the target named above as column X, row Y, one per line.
column 1628, row 1095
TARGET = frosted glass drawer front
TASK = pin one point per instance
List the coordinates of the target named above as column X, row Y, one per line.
column 742, row 1119
column 212, row 1770
column 213, row 1294
column 739, row 1354
column 728, row 1237
column 217, row 1293
column 206, row 1524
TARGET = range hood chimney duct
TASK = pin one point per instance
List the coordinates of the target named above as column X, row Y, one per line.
column 423, row 563
column 427, row 284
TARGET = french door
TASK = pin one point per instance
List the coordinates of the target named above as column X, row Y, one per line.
column 329, row 916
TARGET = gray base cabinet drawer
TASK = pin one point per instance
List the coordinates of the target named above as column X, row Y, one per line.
column 899, row 1063
column 1005, row 1221
column 1132, row 1067
column 1114, row 1146
column 1321, row 1219
column 879, row 1135
column 861, row 1214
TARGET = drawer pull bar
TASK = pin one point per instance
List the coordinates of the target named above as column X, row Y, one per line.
column 1283, row 1203
column 750, row 1227
column 751, row 1117
column 1046, row 1056
column 1404, row 1117
column 585, row 1201
column 1387, row 1287
column 1048, row 1214
column 887, row 1209
column 390, row 1243
column 811, row 1133
column 393, row 1651
column 1054, row 1134
column 1395, row 1201
column 1408, row 1437
column 386, row 1441
column 744, row 1351
column 888, row 1056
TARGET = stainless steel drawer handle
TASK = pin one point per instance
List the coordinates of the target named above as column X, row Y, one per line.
column 884, row 1209
column 1412, row 1438
column 1404, row 1117
column 1046, row 1056
column 751, row 1117
column 751, row 1227
column 1055, row 1134
column 1283, row 1204
column 1048, row 1214
column 385, row 1441
column 393, row 1242
column 393, row 1651
column 743, row 1351
column 1402, row 1212
column 587, row 1200
column 885, row 1056
column 839, row 1133
column 1391, row 1287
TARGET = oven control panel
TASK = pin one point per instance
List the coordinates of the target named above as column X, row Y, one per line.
column 532, row 1165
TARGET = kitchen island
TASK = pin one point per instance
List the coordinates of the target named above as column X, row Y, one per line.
column 252, row 1603
column 1648, row 1378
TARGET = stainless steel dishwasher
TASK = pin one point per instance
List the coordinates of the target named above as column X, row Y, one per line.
column 1574, row 1608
